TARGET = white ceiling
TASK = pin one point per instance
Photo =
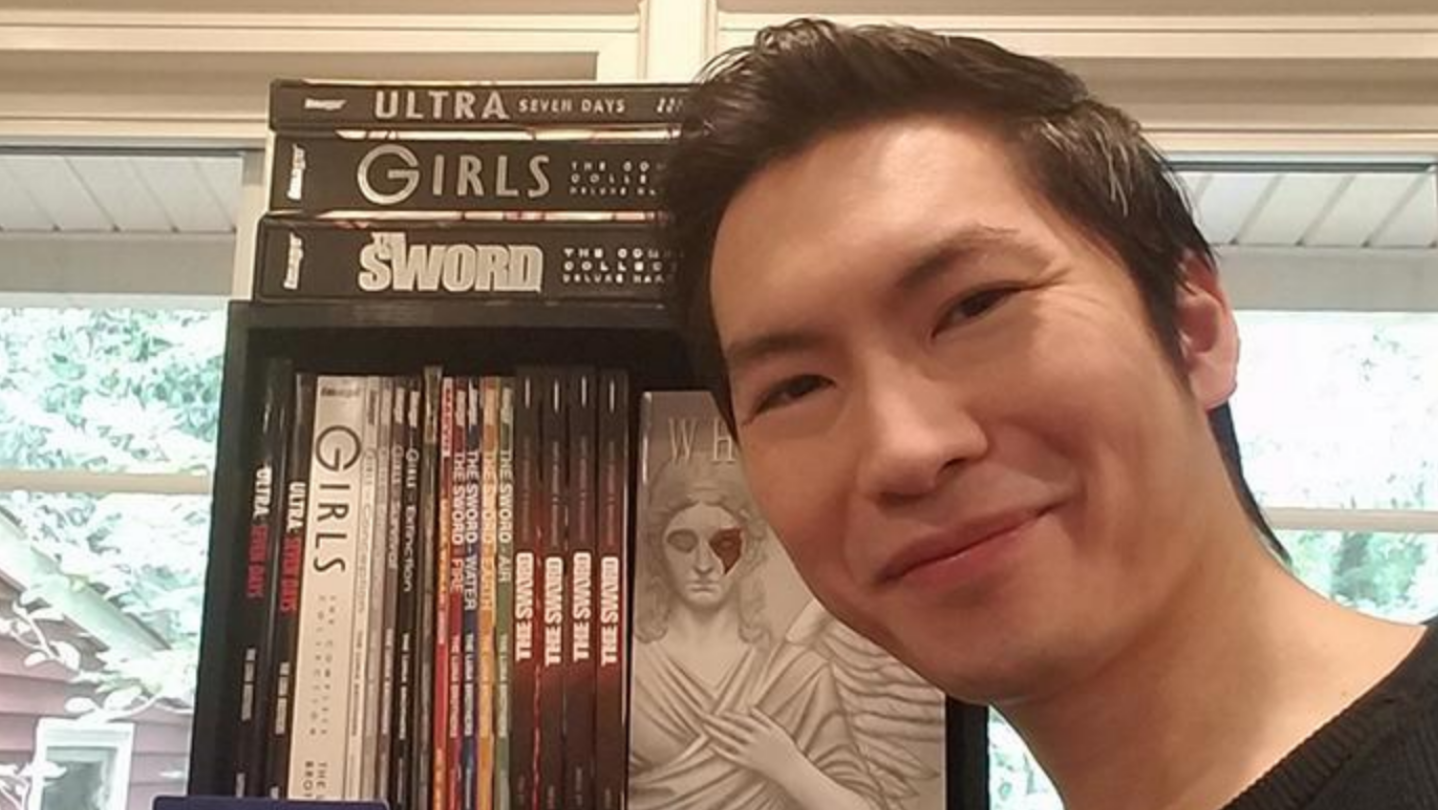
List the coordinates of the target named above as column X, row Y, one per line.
column 100, row 193
column 1321, row 209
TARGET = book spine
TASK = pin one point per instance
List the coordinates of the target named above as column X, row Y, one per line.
column 374, row 655
column 291, row 576
column 394, row 485
column 316, row 173
column 580, row 671
column 488, row 552
column 467, row 628
column 524, row 718
column 469, row 106
column 360, row 747
column 405, row 768
column 374, row 259
column 612, row 743
column 552, row 601
column 319, row 743
column 449, row 531
column 429, row 581
column 504, row 599
column 256, row 617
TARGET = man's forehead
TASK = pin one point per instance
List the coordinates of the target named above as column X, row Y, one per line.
column 856, row 183
column 861, row 196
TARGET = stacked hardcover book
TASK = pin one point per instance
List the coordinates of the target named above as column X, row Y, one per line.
column 482, row 191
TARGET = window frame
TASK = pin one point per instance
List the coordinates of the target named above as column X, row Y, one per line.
column 117, row 739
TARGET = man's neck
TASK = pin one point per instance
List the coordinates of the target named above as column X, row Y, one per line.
column 1243, row 666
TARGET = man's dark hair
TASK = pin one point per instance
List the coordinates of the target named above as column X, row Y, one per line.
column 808, row 79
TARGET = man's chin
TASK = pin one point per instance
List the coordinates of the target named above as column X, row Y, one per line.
column 984, row 673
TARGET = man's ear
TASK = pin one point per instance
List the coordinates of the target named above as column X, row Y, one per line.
column 1207, row 332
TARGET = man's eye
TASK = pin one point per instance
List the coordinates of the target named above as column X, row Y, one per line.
column 788, row 392
column 973, row 305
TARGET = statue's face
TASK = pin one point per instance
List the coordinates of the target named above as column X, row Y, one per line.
column 703, row 545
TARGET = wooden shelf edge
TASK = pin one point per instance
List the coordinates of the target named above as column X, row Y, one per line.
column 602, row 315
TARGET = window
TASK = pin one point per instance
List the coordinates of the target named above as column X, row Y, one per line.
column 88, row 765
column 114, row 273
column 1333, row 268
column 1337, row 413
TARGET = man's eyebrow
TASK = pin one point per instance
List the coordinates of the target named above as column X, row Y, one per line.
column 751, row 351
column 962, row 246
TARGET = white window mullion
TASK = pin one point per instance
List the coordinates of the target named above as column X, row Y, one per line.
column 1387, row 521
column 84, row 481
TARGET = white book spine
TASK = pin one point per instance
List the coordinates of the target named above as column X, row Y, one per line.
column 359, row 747
column 322, row 678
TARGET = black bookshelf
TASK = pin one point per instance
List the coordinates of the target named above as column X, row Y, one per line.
column 568, row 317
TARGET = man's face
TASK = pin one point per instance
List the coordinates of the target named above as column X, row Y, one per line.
column 703, row 545
column 953, row 410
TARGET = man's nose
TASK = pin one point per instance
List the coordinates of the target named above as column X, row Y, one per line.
column 914, row 428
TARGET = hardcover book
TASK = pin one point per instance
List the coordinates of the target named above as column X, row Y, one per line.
column 291, row 579
column 488, row 462
column 732, row 655
column 374, row 784
column 468, row 648
column 261, row 578
column 612, row 614
column 319, row 737
column 359, row 751
column 314, row 174
column 430, row 578
column 349, row 259
column 580, row 673
column 314, row 105
column 504, row 599
column 404, row 757
column 449, row 569
column 552, row 601
column 528, row 548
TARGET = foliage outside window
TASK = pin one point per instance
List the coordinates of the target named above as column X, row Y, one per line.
column 128, row 391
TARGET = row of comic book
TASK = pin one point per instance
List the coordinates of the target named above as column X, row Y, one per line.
column 435, row 590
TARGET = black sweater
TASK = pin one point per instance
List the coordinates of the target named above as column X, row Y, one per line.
column 1381, row 753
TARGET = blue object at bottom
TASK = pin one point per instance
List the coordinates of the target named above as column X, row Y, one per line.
column 231, row 803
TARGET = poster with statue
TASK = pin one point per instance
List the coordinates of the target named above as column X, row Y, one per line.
column 745, row 693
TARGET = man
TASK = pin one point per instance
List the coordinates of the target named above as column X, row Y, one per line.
column 977, row 358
